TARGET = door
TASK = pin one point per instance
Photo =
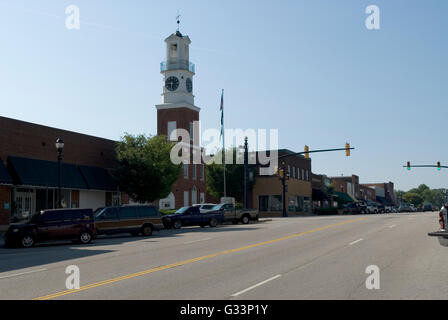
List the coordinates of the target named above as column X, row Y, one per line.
column 107, row 221
column 51, row 226
column 24, row 202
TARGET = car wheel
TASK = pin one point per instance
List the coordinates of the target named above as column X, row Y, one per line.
column 85, row 237
column 177, row 224
column 245, row 219
column 27, row 241
column 213, row 222
column 147, row 230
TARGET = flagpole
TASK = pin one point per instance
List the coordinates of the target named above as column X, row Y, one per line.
column 223, row 142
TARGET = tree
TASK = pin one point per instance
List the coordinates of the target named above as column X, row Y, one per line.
column 413, row 198
column 145, row 170
column 234, row 179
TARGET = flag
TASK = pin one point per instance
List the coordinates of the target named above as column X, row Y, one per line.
column 221, row 108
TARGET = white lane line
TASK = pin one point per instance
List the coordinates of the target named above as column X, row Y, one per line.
column 356, row 241
column 392, row 226
column 23, row 273
column 198, row 240
column 255, row 286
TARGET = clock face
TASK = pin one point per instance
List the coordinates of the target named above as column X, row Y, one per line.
column 172, row 83
column 189, row 85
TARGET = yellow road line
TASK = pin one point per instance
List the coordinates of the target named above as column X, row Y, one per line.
column 181, row 263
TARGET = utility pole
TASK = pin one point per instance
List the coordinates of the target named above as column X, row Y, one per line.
column 246, row 174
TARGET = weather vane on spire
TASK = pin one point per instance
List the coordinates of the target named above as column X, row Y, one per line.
column 178, row 20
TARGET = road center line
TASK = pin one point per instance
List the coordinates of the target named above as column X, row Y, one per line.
column 356, row 241
column 256, row 285
column 181, row 263
column 22, row 273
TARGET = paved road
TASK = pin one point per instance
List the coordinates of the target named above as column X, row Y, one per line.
column 292, row 258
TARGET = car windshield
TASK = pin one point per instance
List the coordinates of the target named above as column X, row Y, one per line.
column 99, row 212
column 218, row 207
column 182, row 210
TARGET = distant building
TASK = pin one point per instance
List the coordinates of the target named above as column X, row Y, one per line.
column 385, row 192
column 348, row 185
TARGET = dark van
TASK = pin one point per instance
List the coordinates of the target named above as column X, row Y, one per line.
column 59, row 224
column 136, row 219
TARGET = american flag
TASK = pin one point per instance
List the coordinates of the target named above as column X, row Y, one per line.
column 222, row 112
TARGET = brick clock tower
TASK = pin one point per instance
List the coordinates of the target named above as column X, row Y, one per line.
column 177, row 111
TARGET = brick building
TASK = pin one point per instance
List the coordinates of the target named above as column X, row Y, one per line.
column 348, row 185
column 29, row 171
column 384, row 192
column 266, row 195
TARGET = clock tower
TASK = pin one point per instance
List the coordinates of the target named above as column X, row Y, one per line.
column 177, row 111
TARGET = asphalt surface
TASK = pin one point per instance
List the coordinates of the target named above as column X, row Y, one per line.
column 286, row 258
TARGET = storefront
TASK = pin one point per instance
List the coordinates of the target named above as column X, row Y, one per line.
column 36, row 186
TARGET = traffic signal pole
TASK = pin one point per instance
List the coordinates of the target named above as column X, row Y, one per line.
column 282, row 171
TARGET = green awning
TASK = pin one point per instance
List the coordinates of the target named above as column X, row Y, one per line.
column 5, row 178
column 343, row 196
column 33, row 172
column 98, row 178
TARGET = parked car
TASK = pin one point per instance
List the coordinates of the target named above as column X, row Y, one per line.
column 59, row 224
column 236, row 215
column 404, row 208
column 371, row 207
column 413, row 209
column 192, row 216
column 354, row 208
column 381, row 207
column 134, row 219
column 394, row 209
column 205, row 207
column 427, row 207
column 388, row 209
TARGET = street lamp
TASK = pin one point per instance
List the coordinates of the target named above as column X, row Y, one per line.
column 59, row 146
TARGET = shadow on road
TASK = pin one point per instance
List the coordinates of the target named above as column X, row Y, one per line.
column 53, row 252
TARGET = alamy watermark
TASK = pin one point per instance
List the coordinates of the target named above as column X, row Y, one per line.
column 187, row 150
column 73, row 21
column 373, row 20
column 373, row 280
column 73, row 280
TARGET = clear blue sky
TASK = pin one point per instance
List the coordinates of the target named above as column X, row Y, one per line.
column 309, row 68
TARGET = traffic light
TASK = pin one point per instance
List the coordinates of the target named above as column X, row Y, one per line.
column 307, row 155
column 281, row 173
column 409, row 166
column 438, row 165
column 347, row 149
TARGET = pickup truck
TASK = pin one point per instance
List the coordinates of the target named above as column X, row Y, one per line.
column 192, row 216
column 442, row 234
column 235, row 215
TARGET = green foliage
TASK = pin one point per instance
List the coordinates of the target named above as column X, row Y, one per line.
column 234, row 179
column 413, row 198
column 423, row 194
column 145, row 170
column 165, row 212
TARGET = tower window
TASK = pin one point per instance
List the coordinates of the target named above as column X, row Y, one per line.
column 171, row 132
column 174, row 50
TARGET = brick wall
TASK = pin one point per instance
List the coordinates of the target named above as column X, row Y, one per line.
column 30, row 140
column 5, row 197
